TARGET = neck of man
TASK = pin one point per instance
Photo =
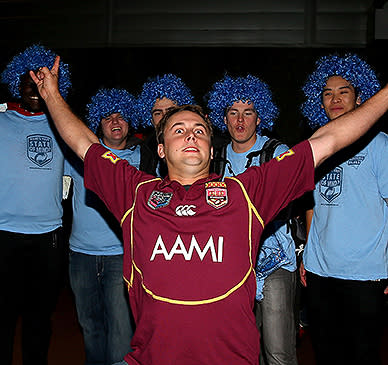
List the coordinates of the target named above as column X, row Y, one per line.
column 116, row 145
column 32, row 110
column 187, row 177
column 241, row 147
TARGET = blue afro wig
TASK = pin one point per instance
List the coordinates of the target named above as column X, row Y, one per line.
column 246, row 89
column 167, row 86
column 351, row 68
column 31, row 59
column 107, row 102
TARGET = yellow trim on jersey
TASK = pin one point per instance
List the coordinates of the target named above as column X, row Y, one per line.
column 192, row 302
column 134, row 200
column 130, row 211
column 248, row 199
column 203, row 301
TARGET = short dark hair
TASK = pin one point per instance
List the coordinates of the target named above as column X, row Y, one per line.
column 187, row 107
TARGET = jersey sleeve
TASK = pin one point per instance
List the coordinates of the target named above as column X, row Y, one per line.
column 111, row 178
column 273, row 185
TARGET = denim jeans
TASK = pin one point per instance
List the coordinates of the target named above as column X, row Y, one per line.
column 31, row 276
column 275, row 318
column 102, row 306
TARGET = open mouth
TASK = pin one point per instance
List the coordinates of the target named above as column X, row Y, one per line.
column 190, row 149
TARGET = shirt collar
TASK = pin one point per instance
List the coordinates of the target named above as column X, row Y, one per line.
column 212, row 177
column 17, row 107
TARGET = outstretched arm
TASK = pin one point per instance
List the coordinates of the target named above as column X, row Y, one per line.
column 73, row 131
column 349, row 127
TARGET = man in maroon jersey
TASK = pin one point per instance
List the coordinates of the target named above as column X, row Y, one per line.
column 190, row 240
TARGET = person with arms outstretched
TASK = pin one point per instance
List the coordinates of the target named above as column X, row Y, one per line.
column 190, row 240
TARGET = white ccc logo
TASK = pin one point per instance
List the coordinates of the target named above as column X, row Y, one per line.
column 185, row 210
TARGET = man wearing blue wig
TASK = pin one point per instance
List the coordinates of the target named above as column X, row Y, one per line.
column 32, row 255
column 158, row 95
column 96, row 248
column 345, row 263
column 243, row 106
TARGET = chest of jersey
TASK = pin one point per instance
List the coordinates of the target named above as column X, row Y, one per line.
column 193, row 246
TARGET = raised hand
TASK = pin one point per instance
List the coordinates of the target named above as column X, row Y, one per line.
column 47, row 80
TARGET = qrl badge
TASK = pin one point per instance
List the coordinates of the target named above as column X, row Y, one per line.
column 216, row 194
column 40, row 149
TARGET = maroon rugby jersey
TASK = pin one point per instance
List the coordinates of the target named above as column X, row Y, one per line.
column 189, row 255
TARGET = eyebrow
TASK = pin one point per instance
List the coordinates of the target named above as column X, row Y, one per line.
column 160, row 110
column 247, row 109
column 177, row 124
column 342, row 87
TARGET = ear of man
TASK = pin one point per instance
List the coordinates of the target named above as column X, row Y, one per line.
column 161, row 151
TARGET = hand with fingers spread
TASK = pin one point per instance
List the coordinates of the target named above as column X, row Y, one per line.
column 47, row 80
column 73, row 131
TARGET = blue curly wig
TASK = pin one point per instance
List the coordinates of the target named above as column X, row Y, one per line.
column 31, row 59
column 246, row 89
column 107, row 102
column 351, row 68
column 167, row 86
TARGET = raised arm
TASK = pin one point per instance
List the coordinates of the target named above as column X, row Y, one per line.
column 73, row 131
column 349, row 127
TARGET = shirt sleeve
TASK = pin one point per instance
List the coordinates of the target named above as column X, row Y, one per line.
column 381, row 162
column 273, row 185
column 67, row 168
column 111, row 178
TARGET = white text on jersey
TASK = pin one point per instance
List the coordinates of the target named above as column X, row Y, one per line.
column 180, row 249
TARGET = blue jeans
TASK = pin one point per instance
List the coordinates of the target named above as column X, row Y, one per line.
column 102, row 306
column 275, row 319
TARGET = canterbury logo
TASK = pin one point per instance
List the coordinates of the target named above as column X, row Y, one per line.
column 185, row 210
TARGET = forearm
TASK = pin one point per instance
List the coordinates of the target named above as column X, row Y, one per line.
column 73, row 131
column 309, row 218
column 349, row 127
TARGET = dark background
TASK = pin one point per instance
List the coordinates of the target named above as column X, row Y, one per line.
column 113, row 43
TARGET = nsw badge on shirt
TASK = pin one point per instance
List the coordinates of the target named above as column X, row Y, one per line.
column 159, row 199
